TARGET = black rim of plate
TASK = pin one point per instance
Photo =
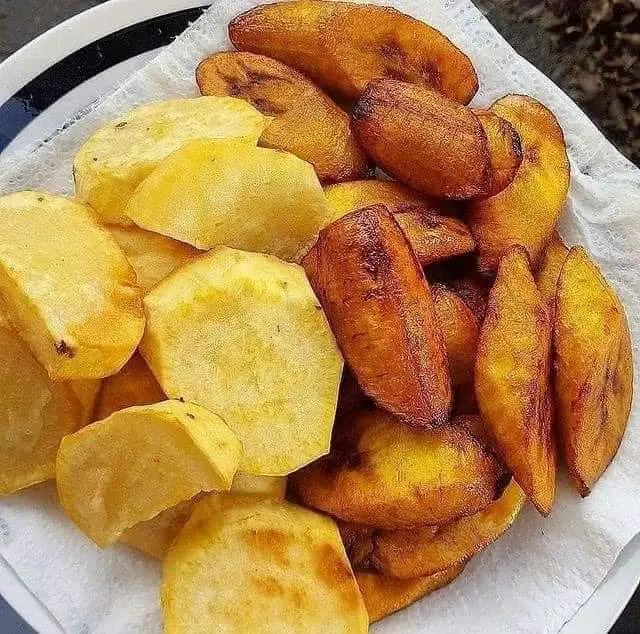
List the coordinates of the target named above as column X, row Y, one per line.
column 87, row 62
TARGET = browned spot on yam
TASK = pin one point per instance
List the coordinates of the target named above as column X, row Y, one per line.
column 269, row 543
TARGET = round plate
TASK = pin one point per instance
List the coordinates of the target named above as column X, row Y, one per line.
column 67, row 68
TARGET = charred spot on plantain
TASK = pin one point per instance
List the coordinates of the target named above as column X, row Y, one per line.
column 63, row 349
column 365, row 108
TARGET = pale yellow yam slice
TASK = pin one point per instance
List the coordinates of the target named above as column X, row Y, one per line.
column 35, row 414
column 67, row 287
column 117, row 157
column 243, row 335
column 152, row 256
column 155, row 536
column 247, row 565
column 140, row 461
column 133, row 385
column 223, row 192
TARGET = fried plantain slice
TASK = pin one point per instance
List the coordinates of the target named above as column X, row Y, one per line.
column 547, row 277
column 415, row 553
column 416, row 135
column 384, row 474
column 512, row 378
column 342, row 46
column 380, row 307
column 526, row 212
column 505, row 149
column 305, row 121
column 593, row 369
column 460, row 330
column 385, row 595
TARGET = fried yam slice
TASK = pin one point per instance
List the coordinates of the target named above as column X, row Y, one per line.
column 385, row 595
column 305, row 121
column 244, row 564
column 380, row 307
column 415, row 553
column 512, row 378
column 593, row 369
column 382, row 473
column 342, row 46
column 527, row 210
column 133, row 385
column 417, row 135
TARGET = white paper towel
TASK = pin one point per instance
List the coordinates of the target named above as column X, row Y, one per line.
column 531, row 581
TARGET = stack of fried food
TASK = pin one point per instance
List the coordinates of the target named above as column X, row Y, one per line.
column 225, row 254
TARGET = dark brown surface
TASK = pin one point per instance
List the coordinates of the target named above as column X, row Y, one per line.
column 581, row 59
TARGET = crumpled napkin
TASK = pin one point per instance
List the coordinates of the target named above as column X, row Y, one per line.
column 531, row 581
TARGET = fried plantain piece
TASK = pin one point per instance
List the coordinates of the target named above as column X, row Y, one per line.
column 460, row 330
column 593, row 369
column 547, row 277
column 380, row 308
column 342, row 46
column 526, row 212
column 415, row 553
column 505, row 149
column 305, row 121
column 417, row 136
column 512, row 378
column 433, row 237
column 385, row 595
column 382, row 473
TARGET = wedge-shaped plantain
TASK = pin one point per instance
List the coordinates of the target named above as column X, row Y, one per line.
column 433, row 237
column 419, row 552
column 226, row 192
column 593, row 369
column 526, row 212
column 547, row 277
column 122, row 153
column 133, row 385
column 73, row 299
column 385, row 595
column 460, row 330
column 512, row 378
column 267, row 361
column 140, row 461
column 351, row 196
column 304, row 120
column 35, row 414
column 381, row 473
column 246, row 565
column 380, row 307
column 151, row 255
column 342, row 46
column 416, row 135
column 505, row 149
column 155, row 536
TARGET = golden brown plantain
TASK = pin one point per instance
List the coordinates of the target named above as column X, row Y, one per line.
column 593, row 369
column 433, row 237
column 526, row 212
column 505, row 149
column 382, row 473
column 512, row 378
column 385, row 595
column 305, row 121
column 342, row 46
column 423, row 139
column 547, row 277
column 418, row 552
column 460, row 330
column 380, row 307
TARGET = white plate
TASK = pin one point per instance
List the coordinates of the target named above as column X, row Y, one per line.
column 106, row 45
